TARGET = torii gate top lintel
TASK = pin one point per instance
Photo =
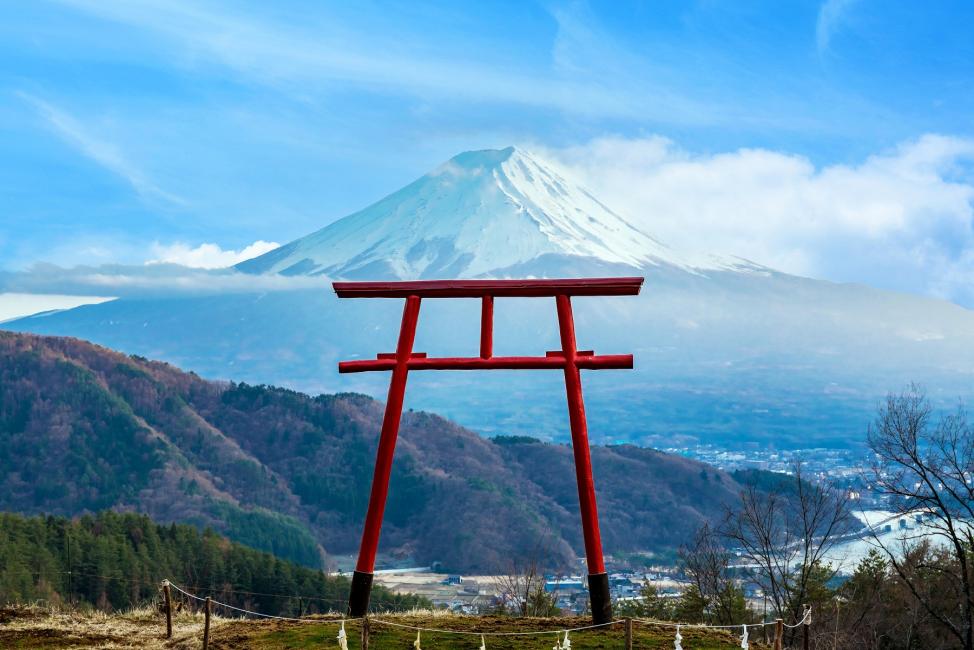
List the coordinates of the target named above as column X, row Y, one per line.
column 569, row 358
column 495, row 288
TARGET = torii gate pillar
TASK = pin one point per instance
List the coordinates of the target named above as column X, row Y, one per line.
column 569, row 359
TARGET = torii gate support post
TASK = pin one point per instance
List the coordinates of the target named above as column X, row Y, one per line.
column 569, row 359
column 598, row 579
column 358, row 601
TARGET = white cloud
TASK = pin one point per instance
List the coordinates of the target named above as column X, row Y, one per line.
column 899, row 219
column 207, row 256
column 99, row 150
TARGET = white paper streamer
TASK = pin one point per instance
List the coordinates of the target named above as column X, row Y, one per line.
column 678, row 641
column 744, row 644
column 342, row 638
column 416, row 642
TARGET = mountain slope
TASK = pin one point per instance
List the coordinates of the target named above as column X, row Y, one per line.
column 84, row 428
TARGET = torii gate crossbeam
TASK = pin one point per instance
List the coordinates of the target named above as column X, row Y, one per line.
column 569, row 358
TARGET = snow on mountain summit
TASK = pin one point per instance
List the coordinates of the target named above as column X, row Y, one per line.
column 477, row 214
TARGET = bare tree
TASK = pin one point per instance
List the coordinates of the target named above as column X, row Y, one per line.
column 706, row 562
column 925, row 465
column 522, row 586
column 786, row 538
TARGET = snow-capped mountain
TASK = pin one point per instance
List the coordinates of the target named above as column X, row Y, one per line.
column 726, row 351
column 481, row 213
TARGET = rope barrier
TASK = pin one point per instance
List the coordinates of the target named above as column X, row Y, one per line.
column 677, row 642
column 330, row 601
column 134, row 581
column 341, row 601
column 566, row 643
column 644, row 621
column 434, row 630
column 419, row 630
column 262, row 615
column 735, row 626
column 806, row 617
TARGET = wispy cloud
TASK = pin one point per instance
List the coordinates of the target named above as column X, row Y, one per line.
column 308, row 61
column 101, row 151
column 830, row 18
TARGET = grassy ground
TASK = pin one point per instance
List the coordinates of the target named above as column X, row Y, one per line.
column 34, row 627
column 43, row 627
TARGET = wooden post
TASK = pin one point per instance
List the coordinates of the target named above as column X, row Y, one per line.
column 206, row 623
column 168, row 597
column 807, row 617
column 628, row 633
column 365, row 633
column 779, row 633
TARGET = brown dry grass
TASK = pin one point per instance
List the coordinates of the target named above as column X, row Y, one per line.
column 144, row 628
column 44, row 627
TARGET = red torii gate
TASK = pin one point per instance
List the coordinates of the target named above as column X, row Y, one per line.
column 569, row 358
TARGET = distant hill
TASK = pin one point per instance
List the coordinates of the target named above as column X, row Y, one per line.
column 83, row 428
column 117, row 561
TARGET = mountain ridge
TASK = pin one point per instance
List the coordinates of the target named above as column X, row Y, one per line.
column 83, row 428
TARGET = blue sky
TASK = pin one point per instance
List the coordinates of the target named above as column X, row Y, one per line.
column 133, row 131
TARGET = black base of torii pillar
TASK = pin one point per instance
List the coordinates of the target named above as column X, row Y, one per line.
column 569, row 359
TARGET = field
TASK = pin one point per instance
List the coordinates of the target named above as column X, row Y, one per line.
column 36, row 627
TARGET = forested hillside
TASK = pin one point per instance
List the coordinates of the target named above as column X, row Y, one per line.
column 115, row 561
column 83, row 428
